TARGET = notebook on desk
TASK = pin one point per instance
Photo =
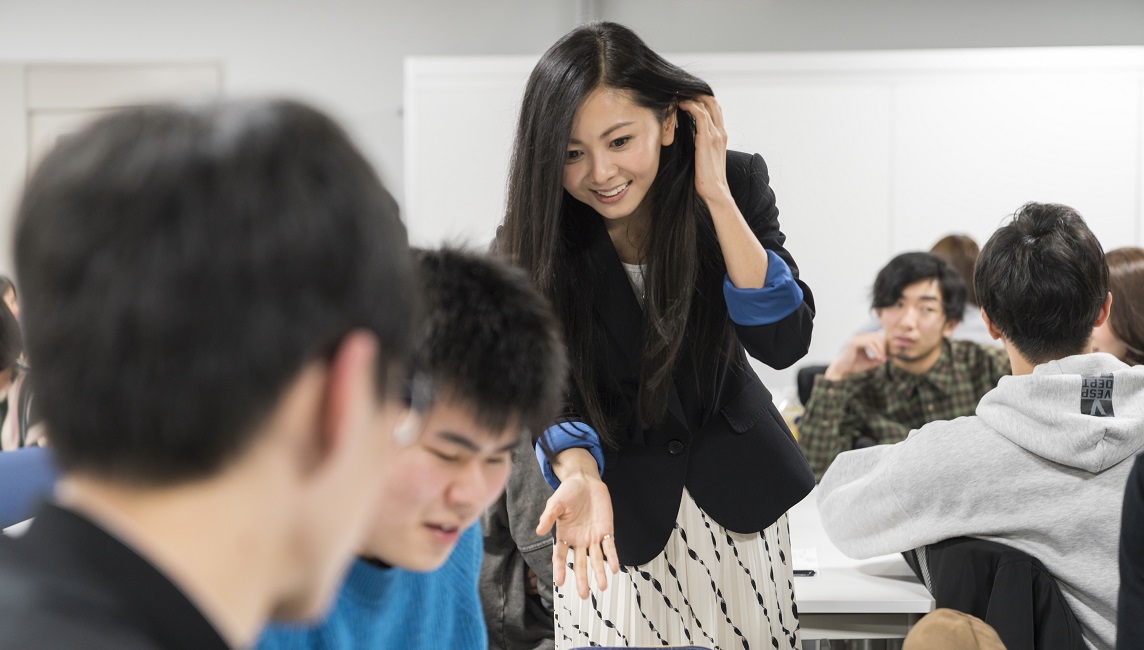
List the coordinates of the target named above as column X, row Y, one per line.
column 805, row 562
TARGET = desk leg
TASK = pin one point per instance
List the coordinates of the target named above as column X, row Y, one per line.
column 856, row 626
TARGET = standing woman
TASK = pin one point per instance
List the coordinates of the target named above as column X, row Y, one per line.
column 661, row 254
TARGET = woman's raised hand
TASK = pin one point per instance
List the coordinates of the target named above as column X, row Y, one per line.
column 581, row 510
column 710, row 148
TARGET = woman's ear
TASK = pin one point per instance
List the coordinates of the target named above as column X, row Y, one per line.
column 670, row 124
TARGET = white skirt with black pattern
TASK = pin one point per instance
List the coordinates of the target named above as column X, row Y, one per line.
column 710, row 587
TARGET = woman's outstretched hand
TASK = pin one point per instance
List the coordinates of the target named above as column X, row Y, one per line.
column 710, row 148
column 581, row 510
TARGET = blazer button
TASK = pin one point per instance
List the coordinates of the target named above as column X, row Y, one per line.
column 675, row 447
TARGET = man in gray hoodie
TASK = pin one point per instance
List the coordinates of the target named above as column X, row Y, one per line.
column 1043, row 464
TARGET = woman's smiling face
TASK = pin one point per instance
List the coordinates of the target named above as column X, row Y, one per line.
column 613, row 152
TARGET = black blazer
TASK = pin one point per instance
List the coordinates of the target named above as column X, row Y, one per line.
column 722, row 437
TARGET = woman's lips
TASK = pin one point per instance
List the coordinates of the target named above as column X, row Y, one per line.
column 603, row 198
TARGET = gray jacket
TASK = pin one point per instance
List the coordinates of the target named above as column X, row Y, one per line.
column 517, row 620
column 1042, row 468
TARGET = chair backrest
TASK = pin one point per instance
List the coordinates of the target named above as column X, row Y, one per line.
column 1008, row 589
column 805, row 378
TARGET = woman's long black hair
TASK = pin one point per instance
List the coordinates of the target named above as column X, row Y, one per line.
column 535, row 232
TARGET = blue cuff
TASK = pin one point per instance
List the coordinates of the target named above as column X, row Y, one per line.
column 779, row 297
column 567, row 435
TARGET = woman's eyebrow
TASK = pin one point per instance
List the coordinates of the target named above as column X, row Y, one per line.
column 606, row 133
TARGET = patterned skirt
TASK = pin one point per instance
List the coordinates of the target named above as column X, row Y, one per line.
column 709, row 587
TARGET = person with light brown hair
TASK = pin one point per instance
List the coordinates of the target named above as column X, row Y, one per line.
column 1122, row 335
column 960, row 252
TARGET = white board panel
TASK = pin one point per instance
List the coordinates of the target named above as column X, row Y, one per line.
column 970, row 150
column 836, row 231
column 871, row 153
column 460, row 115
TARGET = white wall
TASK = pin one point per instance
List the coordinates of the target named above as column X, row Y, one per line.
column 788, row 25
column 347, row 54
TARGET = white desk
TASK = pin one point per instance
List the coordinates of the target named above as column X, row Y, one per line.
column 879, row 598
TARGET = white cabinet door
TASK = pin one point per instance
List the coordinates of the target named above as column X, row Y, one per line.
column 42, row 103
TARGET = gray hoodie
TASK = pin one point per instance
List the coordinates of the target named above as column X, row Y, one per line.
column 1041, row 468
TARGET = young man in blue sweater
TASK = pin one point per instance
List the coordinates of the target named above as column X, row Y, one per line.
column 489, row 370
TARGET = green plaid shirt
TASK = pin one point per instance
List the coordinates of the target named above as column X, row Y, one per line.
column 886, row 403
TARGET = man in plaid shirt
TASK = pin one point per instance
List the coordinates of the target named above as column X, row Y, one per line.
column 885, row 384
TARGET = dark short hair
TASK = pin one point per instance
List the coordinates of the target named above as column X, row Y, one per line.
column 909, row 268
column 489, row 340
column 181, row 265
column 961, row 252
column 1042, row 280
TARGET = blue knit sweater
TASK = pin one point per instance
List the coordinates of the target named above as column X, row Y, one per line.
column 394, row 608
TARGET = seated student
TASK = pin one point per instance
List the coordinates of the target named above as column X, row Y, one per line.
column 884, row 384
column 1130, row 621
column 18, row 428
column 960, row 252
column 1042, row 466
column 516, row 573
column 8, row 292
column 490, row 369
column 218, row 305
column 1122, row 335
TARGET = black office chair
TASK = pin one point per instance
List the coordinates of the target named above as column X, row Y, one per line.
column 1006, row 588
column 806, row 375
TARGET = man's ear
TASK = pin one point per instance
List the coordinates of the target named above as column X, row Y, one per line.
column 950, row 325
column 990, row 326
column 667, row 130
column 1105, row 310
column 350, row 394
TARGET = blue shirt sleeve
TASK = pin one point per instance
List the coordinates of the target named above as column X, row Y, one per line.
column 567, row 435
column 779, row 297
column 27, row 477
